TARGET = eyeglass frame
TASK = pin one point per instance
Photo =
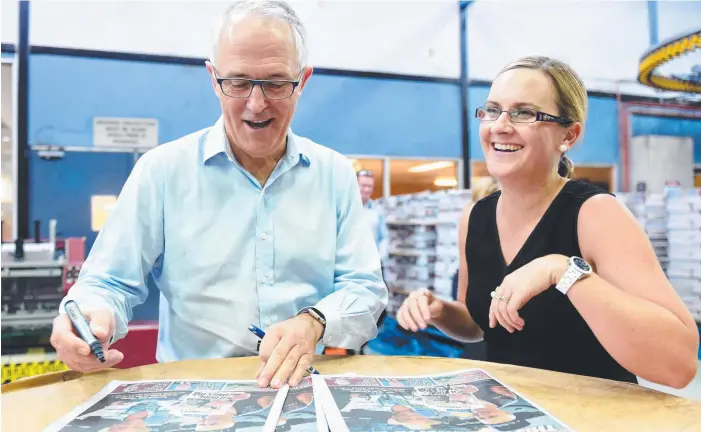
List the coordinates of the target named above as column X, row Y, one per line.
column 254, row 83
column 540, row 116
column 365, row 173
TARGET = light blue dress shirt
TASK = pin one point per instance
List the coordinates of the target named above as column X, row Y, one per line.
column 375, row 218
column 226, row 252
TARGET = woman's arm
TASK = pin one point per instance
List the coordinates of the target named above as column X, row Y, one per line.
column 628, row 301
column 454, row 319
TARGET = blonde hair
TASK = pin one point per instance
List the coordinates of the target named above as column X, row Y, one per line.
column 484, row 187
column 570, row 94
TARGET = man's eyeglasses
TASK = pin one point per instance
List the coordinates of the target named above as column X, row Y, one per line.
column 364, row 173
column 272, row 89
column 519, row 115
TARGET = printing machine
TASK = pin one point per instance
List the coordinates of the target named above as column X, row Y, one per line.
column 36, row 273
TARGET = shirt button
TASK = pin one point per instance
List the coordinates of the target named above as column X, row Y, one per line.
column 265, row 279
column 264, row 236
column 268, row 322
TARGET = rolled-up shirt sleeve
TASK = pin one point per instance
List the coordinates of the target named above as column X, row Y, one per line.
column 360, row 294
column 131, row 240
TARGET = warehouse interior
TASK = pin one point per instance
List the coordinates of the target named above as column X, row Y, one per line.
column 396, row 95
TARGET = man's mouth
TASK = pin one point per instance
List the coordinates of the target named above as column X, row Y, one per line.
column 258, row 124
column 506, row 148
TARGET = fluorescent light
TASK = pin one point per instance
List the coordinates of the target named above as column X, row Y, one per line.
column 5, row 190
column 446, row 181
column 430, row 166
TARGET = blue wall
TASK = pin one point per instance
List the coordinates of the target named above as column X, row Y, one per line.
column 349, row 114
column 353, row 115
column 380, row 116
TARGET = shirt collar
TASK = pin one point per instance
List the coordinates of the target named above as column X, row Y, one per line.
column 217, row 142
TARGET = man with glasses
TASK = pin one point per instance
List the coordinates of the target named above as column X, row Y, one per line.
column 244, row 223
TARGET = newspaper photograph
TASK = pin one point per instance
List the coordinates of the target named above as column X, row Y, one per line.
column 467, row 400
column 300, row 413
column 171, row 406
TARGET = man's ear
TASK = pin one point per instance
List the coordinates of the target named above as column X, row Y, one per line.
column 210, row 69
column 305, row 77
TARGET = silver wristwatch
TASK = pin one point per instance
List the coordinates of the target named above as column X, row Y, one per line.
column 576, row 270
column 317, row 315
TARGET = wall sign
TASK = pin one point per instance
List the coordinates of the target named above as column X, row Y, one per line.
column 125, row 132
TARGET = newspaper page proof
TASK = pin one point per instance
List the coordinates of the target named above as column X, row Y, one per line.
column 467, row 400
column 300, row 412
column 173, row 406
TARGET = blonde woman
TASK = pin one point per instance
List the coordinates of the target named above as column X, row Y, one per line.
column 555, row 273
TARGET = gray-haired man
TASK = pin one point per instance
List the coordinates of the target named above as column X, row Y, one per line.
column 224, row 222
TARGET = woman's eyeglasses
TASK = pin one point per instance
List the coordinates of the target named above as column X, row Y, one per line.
column 519, row 115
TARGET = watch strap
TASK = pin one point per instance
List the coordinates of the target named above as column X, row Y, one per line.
column 577, row 269
column 317, row 315
column 572, row 275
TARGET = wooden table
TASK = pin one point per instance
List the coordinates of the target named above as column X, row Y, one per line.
column 585, row 404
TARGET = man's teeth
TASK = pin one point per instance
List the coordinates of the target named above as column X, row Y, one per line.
column 258, row 124
column 507, row 147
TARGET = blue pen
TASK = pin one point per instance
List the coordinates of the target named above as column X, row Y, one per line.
column 261, row 334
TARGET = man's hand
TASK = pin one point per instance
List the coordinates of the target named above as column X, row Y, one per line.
column 287, row 350
column 74, row 352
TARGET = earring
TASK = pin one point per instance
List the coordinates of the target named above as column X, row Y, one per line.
column 563, row 148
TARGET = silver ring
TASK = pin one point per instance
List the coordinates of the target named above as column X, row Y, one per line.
column 496, row 295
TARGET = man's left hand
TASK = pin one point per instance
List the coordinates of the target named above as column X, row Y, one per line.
column 287, row 350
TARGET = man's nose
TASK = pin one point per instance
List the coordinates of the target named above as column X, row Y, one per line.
column 257, row 100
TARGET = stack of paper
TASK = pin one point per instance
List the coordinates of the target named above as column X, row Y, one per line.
column 465, row 400
column 684, row 227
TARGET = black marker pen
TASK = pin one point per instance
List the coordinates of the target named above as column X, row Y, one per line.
column 83, row 327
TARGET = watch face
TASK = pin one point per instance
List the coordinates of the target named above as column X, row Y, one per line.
column 581, row 264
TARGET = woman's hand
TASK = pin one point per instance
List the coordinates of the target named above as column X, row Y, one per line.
column 418, row 310
column 522, row 285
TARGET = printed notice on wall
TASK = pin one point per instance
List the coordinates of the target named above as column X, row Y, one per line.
column 125, row 132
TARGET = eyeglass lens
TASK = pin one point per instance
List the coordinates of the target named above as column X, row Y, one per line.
column 242, row 88
column 517, row 115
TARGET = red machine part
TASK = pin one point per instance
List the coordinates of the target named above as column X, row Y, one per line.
column 74, row 249
column 139, row 345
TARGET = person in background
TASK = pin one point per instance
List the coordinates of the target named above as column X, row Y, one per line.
column 556, row 273
column 222, row 221
column 374, row 215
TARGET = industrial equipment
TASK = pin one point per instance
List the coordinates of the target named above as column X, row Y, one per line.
column 36, row 274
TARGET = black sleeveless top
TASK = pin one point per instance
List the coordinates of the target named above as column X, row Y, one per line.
column 555, row 336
